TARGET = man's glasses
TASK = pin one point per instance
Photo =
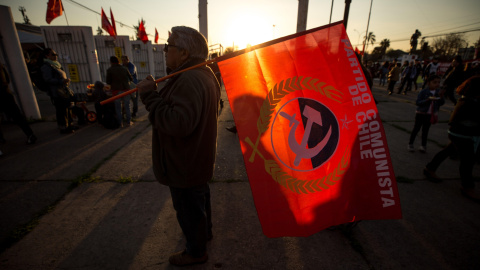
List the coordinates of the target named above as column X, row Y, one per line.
column 165, row 49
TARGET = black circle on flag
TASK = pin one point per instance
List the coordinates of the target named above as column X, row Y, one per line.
column 304, row 134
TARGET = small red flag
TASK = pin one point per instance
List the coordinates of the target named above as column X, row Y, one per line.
column 156, row 35
column 358, row 51
column 313, row 142
column 106, row 25
column 142, row 34
column 54, row 9
column 113, row 22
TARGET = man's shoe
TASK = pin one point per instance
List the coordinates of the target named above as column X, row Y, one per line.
column 431, row 175
column 31, row 139
column 410, row 148
column 181, row 258
column 422, row 149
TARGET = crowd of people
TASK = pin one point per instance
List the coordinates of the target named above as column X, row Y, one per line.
column 462, row 80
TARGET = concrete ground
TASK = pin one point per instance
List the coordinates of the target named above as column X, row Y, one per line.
column 89, row 200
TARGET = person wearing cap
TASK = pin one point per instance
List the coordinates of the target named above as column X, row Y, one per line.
column 184, row 117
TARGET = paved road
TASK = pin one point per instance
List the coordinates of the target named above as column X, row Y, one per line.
column 91, row 202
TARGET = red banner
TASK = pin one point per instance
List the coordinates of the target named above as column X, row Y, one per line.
column 106, row 25
column 113, row 22
column 156, row 35
column 313, row 143
column 142, row 34
column 54, row 10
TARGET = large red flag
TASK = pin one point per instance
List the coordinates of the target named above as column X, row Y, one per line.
column 142, row 34
column 106, row 25
column 156, row 35
column 54, row 9
column 313, row 142
column 113, row 22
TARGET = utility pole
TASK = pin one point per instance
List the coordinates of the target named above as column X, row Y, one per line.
column 302, row 15
column 331, row 10
column 203, row 17
column 345, row 14
column 366, row 33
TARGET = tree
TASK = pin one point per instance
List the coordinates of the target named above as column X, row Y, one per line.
column 447, row 47
column 394, row 54
column 370, row 38
column 384, row 45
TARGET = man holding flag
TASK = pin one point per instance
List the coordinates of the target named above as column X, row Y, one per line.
column 184, row 121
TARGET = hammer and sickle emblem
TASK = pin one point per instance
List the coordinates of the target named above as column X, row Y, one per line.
column 301, row 149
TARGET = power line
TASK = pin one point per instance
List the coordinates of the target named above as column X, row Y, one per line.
column 430, row 36
column 98, row 13
column 456, row 27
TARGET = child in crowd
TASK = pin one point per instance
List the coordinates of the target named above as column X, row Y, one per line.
column 105, row 113
column 428, row 103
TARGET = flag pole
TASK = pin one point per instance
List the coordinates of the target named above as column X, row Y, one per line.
column 156, row 81
column 65, row 14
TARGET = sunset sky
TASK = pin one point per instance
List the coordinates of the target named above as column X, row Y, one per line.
column 252, row 21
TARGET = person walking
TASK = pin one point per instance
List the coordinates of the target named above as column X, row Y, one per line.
column 407, row 75
column 62, row 96
column 428, row 103
column 454, row 76
column 11, row 109
column 383, row 74
column 118, row 78
column 431, row 68
column 464, row 135
column 133, row 71
column 418, row 73
column 393, row 77
column 184, row 117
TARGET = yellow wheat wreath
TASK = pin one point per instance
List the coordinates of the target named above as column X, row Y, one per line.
column 275, row 95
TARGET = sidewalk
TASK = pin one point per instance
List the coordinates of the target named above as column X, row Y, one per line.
column 119, row 217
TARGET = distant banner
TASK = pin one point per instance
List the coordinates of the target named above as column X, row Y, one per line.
column 313, row 143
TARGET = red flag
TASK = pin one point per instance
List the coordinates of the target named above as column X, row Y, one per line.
column 141, row 33
column 106, row 25
column 358, row 51
column 54, row 9
column 169, row 33
column 313, row 143
column 113, row 23
column 156, row 35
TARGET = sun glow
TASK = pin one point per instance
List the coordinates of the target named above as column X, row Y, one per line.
column 248, row 28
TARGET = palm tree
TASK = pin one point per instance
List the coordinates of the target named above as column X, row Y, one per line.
column 384, row 44
column 370, row 38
